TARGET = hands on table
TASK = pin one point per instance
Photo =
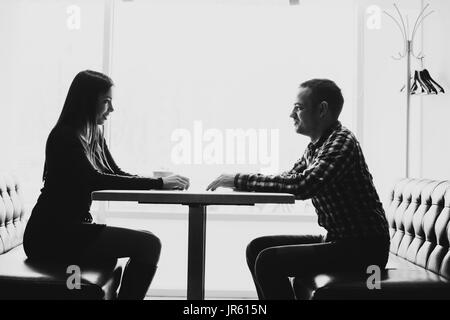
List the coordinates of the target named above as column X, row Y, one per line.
column 175, row 182
column 224, row 180
column 179, row 182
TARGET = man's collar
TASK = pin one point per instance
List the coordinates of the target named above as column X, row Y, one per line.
column 335, row 126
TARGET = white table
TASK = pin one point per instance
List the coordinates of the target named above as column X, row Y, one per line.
column 197, row 202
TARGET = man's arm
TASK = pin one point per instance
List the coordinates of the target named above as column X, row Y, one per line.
column 299, row 166
column 333, row 161
column 228, row 180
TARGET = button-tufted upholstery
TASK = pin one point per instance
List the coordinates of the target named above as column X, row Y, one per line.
column 418, row 214
column 21, row 278
column 12, row 214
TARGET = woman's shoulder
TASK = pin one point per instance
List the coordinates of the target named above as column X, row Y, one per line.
column 62, row 132
column 63, row 129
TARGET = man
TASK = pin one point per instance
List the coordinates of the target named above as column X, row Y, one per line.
column 333, row 173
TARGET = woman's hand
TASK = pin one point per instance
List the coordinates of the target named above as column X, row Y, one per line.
column 225, row 181
column 175, row 182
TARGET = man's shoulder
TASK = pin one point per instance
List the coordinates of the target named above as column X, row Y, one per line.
column 347, row 132
column 343, row 135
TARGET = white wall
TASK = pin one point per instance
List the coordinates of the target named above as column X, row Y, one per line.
column 384, row 106
column 436, row 109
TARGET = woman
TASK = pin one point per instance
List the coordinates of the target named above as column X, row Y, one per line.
column 78, row 162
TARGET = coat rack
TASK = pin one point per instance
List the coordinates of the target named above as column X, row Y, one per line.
column 408, row 52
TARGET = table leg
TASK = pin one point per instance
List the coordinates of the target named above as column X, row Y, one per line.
column 196, row 252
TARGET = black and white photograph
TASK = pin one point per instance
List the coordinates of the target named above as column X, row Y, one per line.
column 224, row 157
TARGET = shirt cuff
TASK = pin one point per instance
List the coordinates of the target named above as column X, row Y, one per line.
column 159, row 183
column 240, row 182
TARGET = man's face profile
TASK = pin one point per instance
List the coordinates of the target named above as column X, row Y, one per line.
column 304, row 113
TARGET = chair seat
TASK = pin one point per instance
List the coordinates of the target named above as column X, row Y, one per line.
column 395, row 262
column 401, row 280
column 22, row 278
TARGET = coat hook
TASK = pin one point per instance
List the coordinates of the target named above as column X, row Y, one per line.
column 408, row 40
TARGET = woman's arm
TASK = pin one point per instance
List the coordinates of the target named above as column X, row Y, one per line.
column 113, row 164
column 70, row 157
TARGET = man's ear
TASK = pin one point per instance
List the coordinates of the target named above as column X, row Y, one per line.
column 323, row 109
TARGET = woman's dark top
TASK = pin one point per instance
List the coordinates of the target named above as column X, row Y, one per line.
column 60, row 223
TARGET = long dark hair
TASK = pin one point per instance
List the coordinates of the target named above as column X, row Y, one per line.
column 80, row 113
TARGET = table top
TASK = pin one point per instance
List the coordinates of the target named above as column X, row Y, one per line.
column 192, row 198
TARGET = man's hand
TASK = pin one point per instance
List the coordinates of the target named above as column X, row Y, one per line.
column 175, row 182
column 225, row 181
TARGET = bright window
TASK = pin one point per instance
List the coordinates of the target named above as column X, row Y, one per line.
column 192, row 78
column 206, row 72
column 44, row 45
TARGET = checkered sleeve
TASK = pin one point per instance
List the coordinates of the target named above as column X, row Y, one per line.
column 300, row 165
column 335, row 158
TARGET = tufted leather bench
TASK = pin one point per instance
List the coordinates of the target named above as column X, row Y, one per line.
column 22, row 278
column 418, row 213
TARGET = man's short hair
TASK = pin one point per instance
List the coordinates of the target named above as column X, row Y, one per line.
column 325, row 90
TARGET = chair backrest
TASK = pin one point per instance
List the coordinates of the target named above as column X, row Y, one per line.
column 12, row 213
column 418, row 214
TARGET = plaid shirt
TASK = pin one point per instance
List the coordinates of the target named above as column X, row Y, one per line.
column 334, row 174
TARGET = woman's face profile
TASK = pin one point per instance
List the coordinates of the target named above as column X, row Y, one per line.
column 104, row 107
